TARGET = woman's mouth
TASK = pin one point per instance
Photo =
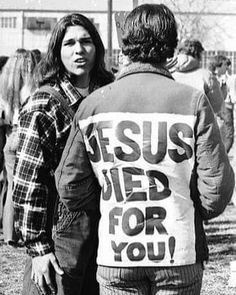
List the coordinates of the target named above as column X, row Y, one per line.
column 80, row 61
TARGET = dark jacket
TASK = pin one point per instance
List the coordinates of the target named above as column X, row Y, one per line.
column 155, row 148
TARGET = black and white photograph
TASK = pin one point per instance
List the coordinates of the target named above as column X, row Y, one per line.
column 117, row 147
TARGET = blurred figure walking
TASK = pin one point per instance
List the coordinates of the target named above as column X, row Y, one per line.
column 16, row 85
column 218, row 65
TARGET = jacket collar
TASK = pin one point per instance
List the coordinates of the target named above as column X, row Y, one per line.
column 138, row 67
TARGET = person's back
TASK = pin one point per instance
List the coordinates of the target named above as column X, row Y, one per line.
column 188, row 71
column 202, row 80
column 155, row 148
column 146, row 134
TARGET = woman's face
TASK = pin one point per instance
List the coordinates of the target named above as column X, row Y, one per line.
column 78, row 54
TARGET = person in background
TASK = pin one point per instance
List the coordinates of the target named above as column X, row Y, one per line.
column 73, row 67
column 3, row 60
column 16, row 85
column 230, row 101
column 219, row 65
column 155, row 148
column 38, row 55
column 231, row 82
column 3, row 182
column 188, row 71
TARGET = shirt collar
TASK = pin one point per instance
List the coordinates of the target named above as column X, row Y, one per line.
column 71, row 92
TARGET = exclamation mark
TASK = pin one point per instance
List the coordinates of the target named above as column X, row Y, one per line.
column 172, row 248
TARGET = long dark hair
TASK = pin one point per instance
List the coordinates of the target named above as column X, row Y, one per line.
column 150, row 34
column 51, row 69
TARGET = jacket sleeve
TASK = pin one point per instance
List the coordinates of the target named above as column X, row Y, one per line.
column 75, row 180
column 214, row 174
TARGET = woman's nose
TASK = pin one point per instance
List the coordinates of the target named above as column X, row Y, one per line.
column 78, row 47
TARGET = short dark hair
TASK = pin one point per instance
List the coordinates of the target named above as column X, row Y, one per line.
column 191, row 47
column 150, row 34
column 229, row 63
column 37, row 53
column 216, row 61
column 51, row 68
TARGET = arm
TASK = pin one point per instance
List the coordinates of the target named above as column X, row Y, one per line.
column 32, row 194
column 214, row 175
column 75, row 179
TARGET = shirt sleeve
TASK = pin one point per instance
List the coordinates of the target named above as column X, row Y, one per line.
column 214, row 175
column 32, row 173
column 75, row 180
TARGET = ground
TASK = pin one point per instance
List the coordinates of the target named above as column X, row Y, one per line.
column 222, row 245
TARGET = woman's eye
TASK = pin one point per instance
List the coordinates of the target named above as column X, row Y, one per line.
column 69, row 43
column 86, row 41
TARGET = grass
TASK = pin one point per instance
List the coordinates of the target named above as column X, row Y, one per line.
column 11, row 269
column 221, row 240
column 221, row 236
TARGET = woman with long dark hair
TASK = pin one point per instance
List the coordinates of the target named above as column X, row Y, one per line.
column 72, row 68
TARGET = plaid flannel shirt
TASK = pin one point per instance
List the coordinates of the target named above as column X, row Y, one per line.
column 43, row 130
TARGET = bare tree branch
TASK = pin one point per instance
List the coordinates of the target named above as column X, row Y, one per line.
column 191, row 16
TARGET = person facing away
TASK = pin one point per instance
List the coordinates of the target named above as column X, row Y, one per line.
column 73, row 66
column 219, row 65
column 188, row 71
column 155, row 148
column 16, row 85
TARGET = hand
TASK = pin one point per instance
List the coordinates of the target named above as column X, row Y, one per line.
column 40, row 274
